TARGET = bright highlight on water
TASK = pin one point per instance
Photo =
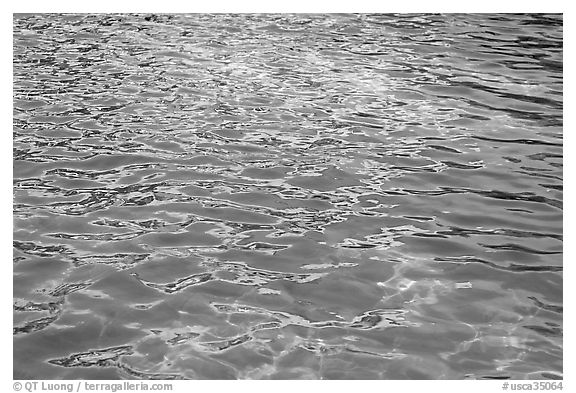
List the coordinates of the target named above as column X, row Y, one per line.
column 285, row 196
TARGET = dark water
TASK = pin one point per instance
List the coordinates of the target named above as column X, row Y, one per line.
column 288, row 196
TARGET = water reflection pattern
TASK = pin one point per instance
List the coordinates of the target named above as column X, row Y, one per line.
column 288, row 196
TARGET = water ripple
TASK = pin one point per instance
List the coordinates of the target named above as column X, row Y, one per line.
column 360, row 196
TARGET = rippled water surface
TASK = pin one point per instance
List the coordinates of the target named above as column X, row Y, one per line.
column 288, row 196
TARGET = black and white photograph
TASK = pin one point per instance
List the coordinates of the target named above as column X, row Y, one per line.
column 287, row 196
